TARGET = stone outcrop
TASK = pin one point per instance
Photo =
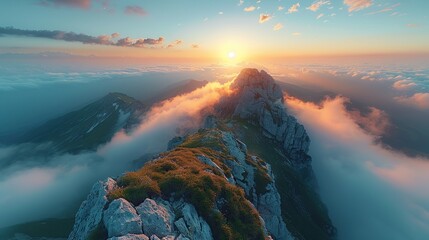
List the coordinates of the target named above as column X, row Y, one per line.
column 90, row 213
column 153, row 219
column 120, row 219
column 157, row 217
column 259, row 99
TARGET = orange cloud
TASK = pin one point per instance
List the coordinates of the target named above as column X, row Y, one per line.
column 277, row 27
column 316, row 5
column 357, row 5
column 264, row 17
column 293, row 8
column 250, row 9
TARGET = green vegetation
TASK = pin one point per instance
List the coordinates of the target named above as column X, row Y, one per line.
column 180, row 174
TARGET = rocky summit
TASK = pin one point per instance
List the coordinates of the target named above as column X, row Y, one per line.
column 246, row 174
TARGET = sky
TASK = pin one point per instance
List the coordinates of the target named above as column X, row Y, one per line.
column 209, row 30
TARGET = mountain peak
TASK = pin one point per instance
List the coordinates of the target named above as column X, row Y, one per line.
column 261, row 81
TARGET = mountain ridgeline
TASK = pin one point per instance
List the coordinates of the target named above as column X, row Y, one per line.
column 246, row 174
column 87, row 128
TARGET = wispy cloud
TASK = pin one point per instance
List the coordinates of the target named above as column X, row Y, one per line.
column 264, row 17
column 250, row 9
column 83, row 4
column 277, row 27
column 135, row 10
column 316, row 5
column 175, row 43
column 320, row 16
column 82, row 38
column 357, row 5
column 386, row 9
column 293, row 8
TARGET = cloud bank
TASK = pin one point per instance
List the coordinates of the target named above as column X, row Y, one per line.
column 371, row 193
column 107, row 40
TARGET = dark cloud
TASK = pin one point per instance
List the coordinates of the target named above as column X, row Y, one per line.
column 82, row 38
column 84, row 4
column 135, row 10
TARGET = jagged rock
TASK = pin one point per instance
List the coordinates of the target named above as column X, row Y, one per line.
column 269, row 207
column 91, row 210
column 197, row 227
column 120, row 219
column 260, row 100
column 157, row 217
column 268, row 203
column 130, row 237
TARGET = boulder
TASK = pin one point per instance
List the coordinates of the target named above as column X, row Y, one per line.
column 90, row 212
column 157, row 217
column 120, row 219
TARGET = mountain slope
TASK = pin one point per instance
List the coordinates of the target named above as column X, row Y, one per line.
column 90, row 126
column 246, row 173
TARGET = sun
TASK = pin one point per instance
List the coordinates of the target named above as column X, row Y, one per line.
column 231, row 55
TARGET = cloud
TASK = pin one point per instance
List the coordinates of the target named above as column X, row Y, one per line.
column 175, row 43
column 320, row 16
column 293, row 8
column 250, row 9
column 418, row 100
column 82, row 38
column 240, row 2
column 316, row 5
column 135, row 10
column 280, row 8
column 404, row 84
column 83, row 4
column 264, row 17
column 357, row 5
column 277, row 27
column 370, row 192
column 37, row 187
column 195, row 46
column 375, row 121
column 296, row 34
column 115, row 35
column 387, row 9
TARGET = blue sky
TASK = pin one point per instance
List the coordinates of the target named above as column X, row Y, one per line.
column 322, row 27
